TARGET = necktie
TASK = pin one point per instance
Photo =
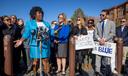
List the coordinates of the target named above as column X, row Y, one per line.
column 102, row 28
column 122, row 28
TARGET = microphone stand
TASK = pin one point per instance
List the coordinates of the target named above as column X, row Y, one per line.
column 41, row 36
column 40, row 58
column 39, row 42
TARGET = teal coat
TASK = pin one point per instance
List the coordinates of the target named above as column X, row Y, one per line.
column 34, row 46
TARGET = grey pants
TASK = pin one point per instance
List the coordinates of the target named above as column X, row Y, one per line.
column 102, row 60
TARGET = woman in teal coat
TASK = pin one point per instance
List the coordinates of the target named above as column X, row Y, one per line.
column 36, row 29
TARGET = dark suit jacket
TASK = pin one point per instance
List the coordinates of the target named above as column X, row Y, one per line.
column 123, row 34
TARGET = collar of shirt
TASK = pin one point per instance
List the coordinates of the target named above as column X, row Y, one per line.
column 122, row 28
column 105, row 21
column 40, row 24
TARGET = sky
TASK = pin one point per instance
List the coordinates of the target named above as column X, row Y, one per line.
column 52, row 8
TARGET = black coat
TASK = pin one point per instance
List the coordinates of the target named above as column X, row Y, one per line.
column 79, row 53
column 13, row 31
column 77, row 31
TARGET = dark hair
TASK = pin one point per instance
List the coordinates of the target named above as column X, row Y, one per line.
column 19, row 19
column 53, row 22
column 14, row 16
column 106, row 11
column 2, row 18
column 33, row 11
column 92, row 21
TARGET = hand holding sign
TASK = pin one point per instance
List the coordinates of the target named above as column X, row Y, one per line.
column 102, row 41
column 84, row 42
column 76, row 37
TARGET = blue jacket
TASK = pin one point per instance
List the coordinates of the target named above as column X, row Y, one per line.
column 123, row 34
column 63, row 34
column 30, row 27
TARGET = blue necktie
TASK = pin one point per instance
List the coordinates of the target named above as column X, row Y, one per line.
column 102, row 28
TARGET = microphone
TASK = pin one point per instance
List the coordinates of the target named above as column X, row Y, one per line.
column 39, row 33
column 33, row 32
column 42, row 33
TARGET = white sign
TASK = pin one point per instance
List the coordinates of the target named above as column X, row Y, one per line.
column 84, row 42
column 109, row 49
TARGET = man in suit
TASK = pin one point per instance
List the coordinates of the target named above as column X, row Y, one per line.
column 104, row 32
column 122, row 32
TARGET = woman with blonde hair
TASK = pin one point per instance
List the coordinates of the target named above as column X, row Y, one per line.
column 62, row 31
column 79, row 29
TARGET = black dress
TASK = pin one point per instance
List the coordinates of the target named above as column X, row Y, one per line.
column 79, row 53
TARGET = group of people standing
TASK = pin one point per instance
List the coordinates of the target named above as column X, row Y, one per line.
column 50, row 43
column 10, row 25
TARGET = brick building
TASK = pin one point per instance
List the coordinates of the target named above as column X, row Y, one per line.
column 119, row 11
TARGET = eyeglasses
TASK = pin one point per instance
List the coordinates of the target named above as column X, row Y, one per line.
column 7, row 19
column 78, row 19
column 102, row 15
column 60, row 17
column 90, row 23
column 122, row 21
